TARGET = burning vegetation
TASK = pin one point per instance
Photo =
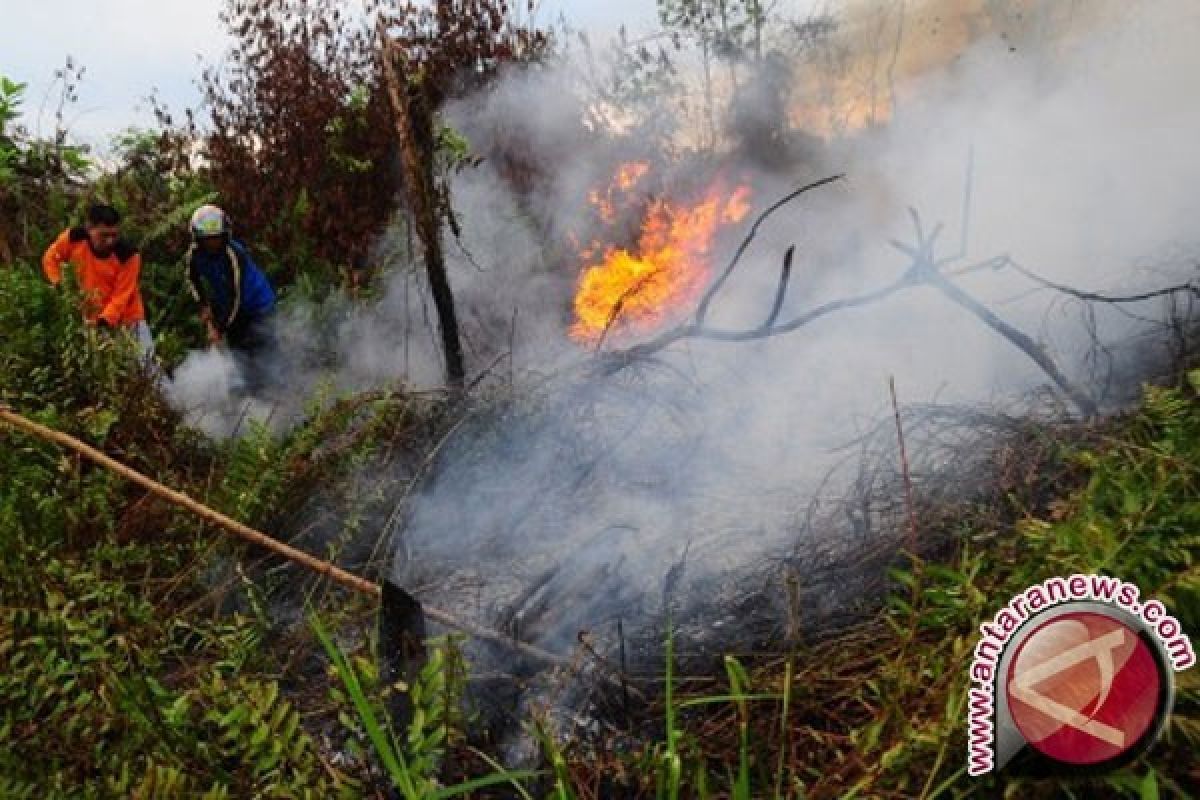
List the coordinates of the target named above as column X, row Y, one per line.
column 639, row 289
column 675, row 412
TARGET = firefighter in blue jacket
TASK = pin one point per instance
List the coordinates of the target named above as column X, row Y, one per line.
column 236, row 300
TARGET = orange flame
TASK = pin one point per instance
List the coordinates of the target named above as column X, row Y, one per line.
column 637, row 290
column 627, row 178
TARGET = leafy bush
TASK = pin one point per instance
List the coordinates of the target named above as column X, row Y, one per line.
column 99, row 699
column 300, row 147
column 114, row 681
column 41, row 180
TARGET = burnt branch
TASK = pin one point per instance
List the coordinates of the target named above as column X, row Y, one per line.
column 619, row 307
column 706, row 300
column 925, row 269
column 781, row 292
column 619, row 359
column 1094, row 297
column 413, row 121
column 1020, row 340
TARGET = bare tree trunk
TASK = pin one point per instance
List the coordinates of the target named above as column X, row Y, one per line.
column 730, row 53
column 710, row 112
column 891, row 70
column 414, row 129
column 757, row 18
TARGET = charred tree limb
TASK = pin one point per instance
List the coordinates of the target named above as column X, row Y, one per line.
column 619, row 306
column 1019, row 339
column 785, row 275
column 692, row 330
column 414, row 131
column 711, row 293
column 925, row 269
column 1096, row 297
column 403, row 633
column 928, row 270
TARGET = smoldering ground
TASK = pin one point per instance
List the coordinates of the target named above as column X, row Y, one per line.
column 705, row 471
column 587, row 492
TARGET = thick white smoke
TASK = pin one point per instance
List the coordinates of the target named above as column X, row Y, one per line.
column 1075, row 125
column 1080, row 156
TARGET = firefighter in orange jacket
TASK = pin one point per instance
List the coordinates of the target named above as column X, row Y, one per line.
column 107, row 269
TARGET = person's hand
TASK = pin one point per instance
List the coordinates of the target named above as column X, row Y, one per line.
column 214, row 335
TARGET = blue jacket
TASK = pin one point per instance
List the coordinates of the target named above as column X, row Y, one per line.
column 230, row 283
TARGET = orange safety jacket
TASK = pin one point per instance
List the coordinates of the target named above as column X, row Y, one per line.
column 110, row 284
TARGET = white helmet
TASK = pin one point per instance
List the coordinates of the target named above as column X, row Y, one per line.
column 209, row 221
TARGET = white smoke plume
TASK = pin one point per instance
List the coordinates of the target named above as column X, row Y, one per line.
column 206, row 388
column 1075, row 126
column 1078, row 144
